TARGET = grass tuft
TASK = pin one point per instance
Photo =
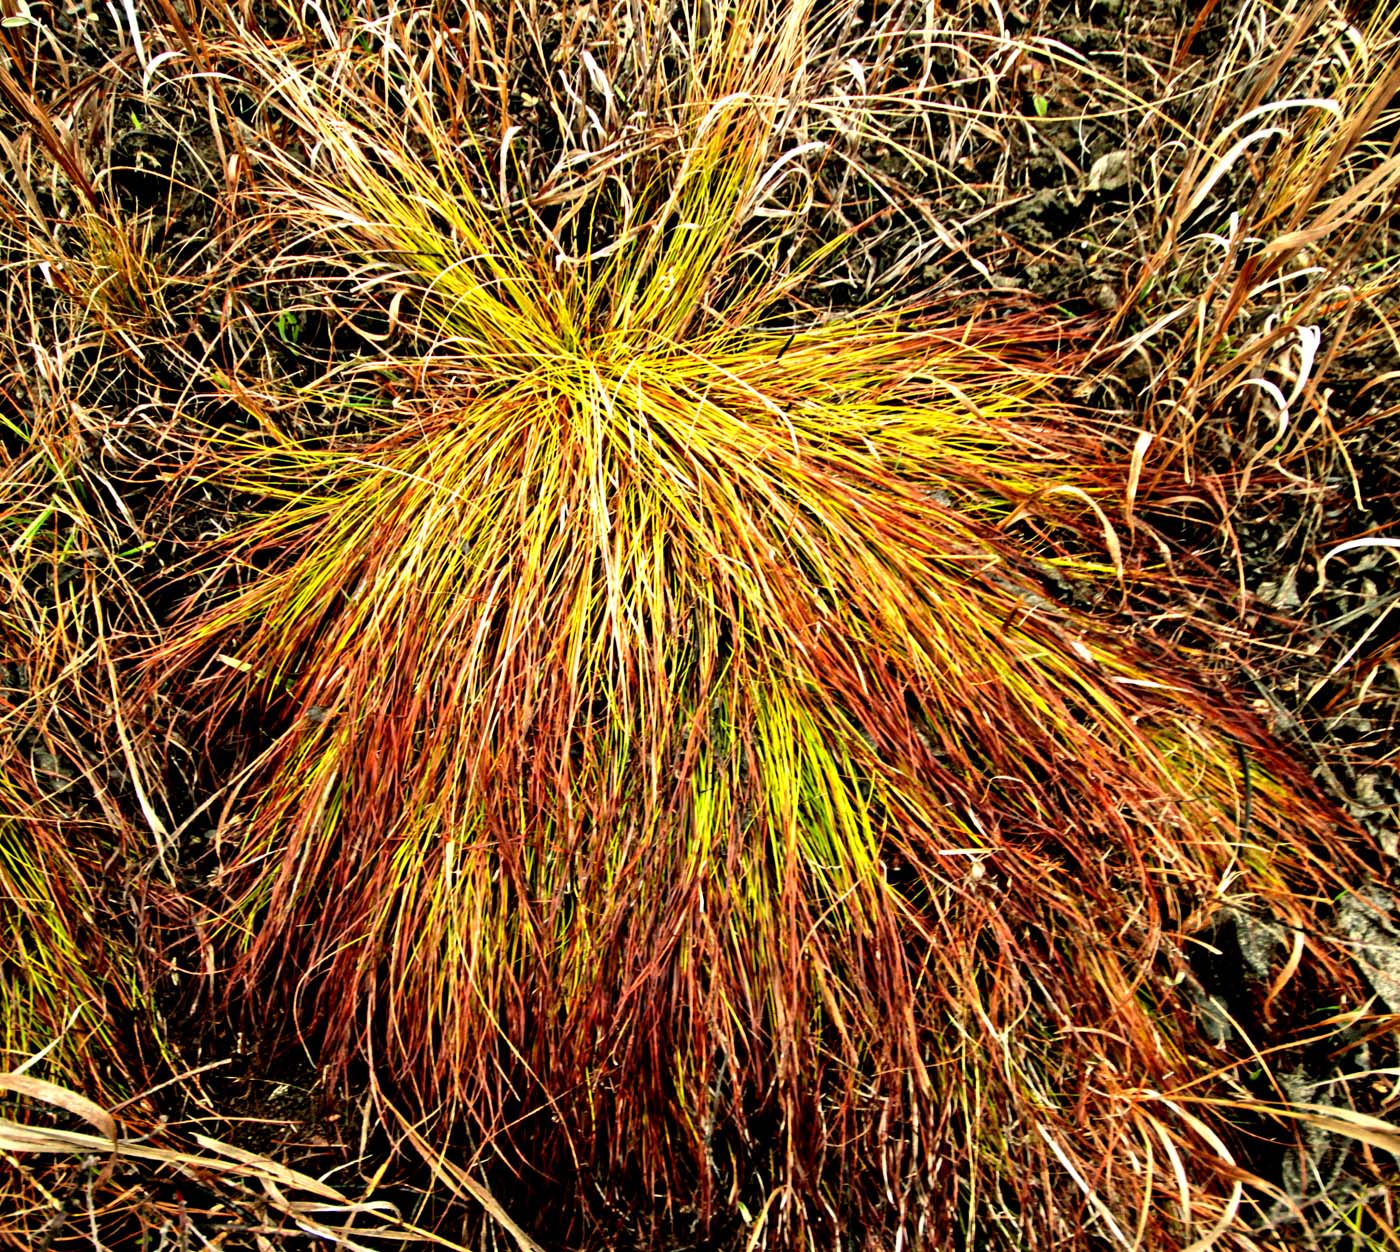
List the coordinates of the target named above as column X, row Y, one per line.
column 685, row 765
column 510, row 588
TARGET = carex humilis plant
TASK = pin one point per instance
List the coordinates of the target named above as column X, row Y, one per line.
column 673, row 758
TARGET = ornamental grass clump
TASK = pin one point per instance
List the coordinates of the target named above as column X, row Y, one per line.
column 668, row 755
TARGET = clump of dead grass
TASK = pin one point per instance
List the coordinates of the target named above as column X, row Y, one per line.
column 1274, row 224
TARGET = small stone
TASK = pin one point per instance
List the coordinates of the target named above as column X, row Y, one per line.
column 1105, row 296
column 1280, row 595
column 1372, row 922
column 1109, row 172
